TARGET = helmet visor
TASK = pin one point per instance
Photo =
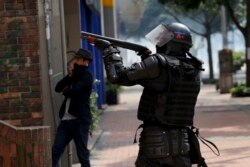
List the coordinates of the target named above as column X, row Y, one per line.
column 160, row 35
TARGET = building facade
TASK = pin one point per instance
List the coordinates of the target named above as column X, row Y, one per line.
column 35, row 36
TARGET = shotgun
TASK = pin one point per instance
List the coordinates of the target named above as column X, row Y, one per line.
column 141, row 50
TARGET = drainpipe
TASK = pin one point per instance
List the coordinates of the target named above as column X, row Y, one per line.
column 102, row 17
column 48, row 20
column 64, row 54
column 47, row 9
column 63, row 35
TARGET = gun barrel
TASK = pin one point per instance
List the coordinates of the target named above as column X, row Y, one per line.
column 119, row 43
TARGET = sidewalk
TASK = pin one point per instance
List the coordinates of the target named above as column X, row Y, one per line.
column 226, row 122
column 220, row 118
column 119, row 123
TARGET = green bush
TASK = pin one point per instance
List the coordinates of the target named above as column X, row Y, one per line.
column 240, row 90
column 238, row 60
column 94, row 111
column 113, row 87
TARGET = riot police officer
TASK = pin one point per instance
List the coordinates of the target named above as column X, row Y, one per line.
column 171, row 84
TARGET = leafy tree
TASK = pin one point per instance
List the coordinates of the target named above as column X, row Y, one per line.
column 187, row 4
column 238, row 11
column 203, row 22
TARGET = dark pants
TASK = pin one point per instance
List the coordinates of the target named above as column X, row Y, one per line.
column 163, row 148
column 171, row 161
column 74, row 129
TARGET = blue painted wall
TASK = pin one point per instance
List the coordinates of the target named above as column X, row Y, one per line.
column 91, row 22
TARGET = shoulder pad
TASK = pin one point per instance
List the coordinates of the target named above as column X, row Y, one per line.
column 168, row 60
column 197, row 63
column 161, row 59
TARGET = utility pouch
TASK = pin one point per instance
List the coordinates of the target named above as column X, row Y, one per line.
column 158, row 143
column 195, row 153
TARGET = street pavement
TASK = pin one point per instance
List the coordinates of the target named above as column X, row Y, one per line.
column 220, row 118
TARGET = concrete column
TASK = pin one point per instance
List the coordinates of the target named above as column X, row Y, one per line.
column 109, row 18
column 52, row 62
column 72, row 24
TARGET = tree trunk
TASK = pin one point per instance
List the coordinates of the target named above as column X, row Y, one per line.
column 210, row 58
column 247, row 63
column 208, row 33
column 247, row 39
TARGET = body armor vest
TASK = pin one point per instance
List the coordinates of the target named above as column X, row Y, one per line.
column 175, row 104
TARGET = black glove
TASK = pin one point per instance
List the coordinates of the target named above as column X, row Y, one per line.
column 102, row 44
column 109, row 51
column 105, row 47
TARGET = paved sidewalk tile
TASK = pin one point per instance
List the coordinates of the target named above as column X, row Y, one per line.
column 220, row 118
column 225, row 121
column 115, row 147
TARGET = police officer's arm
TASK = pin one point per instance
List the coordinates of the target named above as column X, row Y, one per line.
column 116, row 73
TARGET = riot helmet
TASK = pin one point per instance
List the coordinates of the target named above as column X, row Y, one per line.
column 171, row 38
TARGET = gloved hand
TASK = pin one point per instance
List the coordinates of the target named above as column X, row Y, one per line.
column 102, row 44
column 105, row 47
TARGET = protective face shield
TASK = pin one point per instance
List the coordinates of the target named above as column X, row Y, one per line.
column 160, row 35
column 176, row 32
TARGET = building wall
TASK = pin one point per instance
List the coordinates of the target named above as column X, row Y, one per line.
column 20, row 88
column 23, row 143
column 24, row 147
column 31, row 63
